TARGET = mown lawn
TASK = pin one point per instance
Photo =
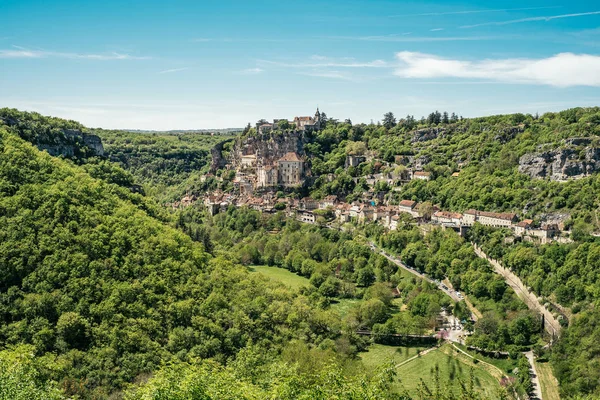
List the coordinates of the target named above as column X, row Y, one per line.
column 282, row 275
column 450, row 370
column 505, row 364
column 379, row 354
column 548, row 382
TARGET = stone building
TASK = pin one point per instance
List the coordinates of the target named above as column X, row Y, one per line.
column 290, row 170
column 354, row 160
column 266, row 176
column 422, row 175
column 497, row 220
column 309, row 123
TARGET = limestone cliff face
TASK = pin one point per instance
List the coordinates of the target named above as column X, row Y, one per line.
column 577, row 160
column 73, row 143
column 268, row 147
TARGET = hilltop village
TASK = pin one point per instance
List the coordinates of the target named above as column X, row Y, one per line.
column 272, row 162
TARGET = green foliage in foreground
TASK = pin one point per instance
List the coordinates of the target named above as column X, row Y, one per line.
column 91, row 275
column 210, row 381
column 24, row 377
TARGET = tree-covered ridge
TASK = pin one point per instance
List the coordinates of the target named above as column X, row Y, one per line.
column 37, row 128
column 89, row 275
column 167, row 164
column 485, row 150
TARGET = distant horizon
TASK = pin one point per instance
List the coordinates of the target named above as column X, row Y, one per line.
column 186, row 64
column 252, row 123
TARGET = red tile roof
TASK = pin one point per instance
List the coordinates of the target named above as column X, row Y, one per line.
column 408, row 203
column 291, row 156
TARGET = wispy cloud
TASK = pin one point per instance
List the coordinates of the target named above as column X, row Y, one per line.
column 329, row 74
column 25, row 53
column 326, row 62
column 251, row 71
column 404, row 38
column 472, row 11
column 436, row 29
column 561, row 70
column 170, row 71
column 239, row 40
column 532, row 19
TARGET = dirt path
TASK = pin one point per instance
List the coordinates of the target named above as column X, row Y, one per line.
column 537, row 388
column 419, row 354
column 492, row 369
column 552, row 326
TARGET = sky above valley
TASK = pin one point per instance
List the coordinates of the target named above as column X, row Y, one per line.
column 217, row 64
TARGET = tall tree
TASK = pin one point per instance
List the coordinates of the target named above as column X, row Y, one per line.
column 445, row 119
column 389, row 120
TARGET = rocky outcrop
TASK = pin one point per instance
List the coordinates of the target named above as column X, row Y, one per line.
column 572, row 162
column 423, row 135
column 72, row 144
column 506, row 134
column 268, row 147
column 218, row 160
column 420, row 162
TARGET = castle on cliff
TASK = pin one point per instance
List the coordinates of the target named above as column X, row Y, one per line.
column 306, row 124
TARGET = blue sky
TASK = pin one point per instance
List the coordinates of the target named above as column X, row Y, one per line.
column 207, row 64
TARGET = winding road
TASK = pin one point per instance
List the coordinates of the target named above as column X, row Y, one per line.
column 533, row 302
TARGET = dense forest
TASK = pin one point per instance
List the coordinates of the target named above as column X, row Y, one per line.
column 167, row 164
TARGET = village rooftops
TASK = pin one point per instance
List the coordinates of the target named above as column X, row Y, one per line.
column 408, row 204
column 504, row 216
column 422, row 173
column 291, row 156
column 525, row 223
column 447, row 214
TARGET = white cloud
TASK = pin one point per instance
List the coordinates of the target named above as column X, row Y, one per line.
column 25, row 53
column 330, row 74
column 252, row 71
column 533, row 19
column 561, row 70
column 436, row 29
column 170, row 71
column 19, row 54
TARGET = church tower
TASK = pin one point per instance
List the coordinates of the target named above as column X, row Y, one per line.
column 317, row 119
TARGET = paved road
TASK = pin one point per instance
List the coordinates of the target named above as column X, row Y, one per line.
column 399, row 262
column 537, row 388
column 552, row 326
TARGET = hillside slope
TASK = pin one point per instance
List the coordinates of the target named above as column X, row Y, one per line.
column 91, row 278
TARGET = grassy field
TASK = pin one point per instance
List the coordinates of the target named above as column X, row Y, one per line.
column 343, row 306
column 505, row 364
column 379, row 354
column 282, row 275
column 451, row 368
column 547, row 381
